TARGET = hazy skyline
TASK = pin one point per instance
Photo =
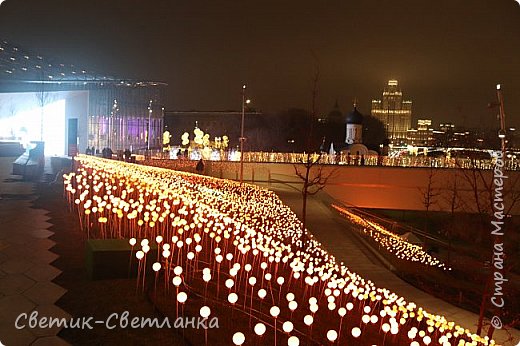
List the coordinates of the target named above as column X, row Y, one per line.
column 447, row 56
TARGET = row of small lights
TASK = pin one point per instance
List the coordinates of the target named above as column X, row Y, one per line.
column 392, row 242
column 248, row 231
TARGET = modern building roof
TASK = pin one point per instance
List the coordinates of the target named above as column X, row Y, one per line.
column 21, row 67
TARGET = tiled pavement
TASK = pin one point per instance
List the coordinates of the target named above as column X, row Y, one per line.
column 26, row 270
column 333, row 233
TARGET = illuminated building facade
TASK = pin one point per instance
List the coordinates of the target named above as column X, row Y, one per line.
column 71, row 109
column 394, row 112
column 423, row 136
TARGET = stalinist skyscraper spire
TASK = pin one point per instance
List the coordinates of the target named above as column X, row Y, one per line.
column 394, row 112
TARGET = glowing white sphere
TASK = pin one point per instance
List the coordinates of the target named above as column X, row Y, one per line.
column 238, row 338
column 288, row 326
column 229, row 283
column 356, row 332
column 159, row 239
column 290, row 297
column 332, row 335
column 308, row 320
column 156, row 266
column 260, row 329
column 181, row 297
column 262, row 293
column 139, row 255
column 313, row 301
column 177, row 270
column 132, row 241
column 280, row 280
column 252, row 281
column 205, row 311
column 342, row 312
column 313, row 308
column 293, row 341
column 232, row 298
column 144, row 242
column 386, row 328
column 293, row 305
column 427, row 340
column 274, row 311
column 177, row 281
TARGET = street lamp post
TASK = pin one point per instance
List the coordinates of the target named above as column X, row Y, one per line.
column 149, row 125
column 244, row 102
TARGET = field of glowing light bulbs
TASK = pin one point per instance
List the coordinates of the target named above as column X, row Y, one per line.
column 236, row 252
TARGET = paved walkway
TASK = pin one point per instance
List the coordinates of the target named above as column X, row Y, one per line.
column 335, row 235
column 26, row 270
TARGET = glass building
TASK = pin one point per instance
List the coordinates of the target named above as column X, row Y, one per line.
column 70, row 109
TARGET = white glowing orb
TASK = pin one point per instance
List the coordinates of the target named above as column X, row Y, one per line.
column 274, row 311
column 293, row 341
column 260, row 329
column 332, row 335
column 205, row 311
column 287, row 326
column 238, row 338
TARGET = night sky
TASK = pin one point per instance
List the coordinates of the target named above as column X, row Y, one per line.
column 448, row 55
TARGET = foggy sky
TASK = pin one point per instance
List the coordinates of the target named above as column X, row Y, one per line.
column 447, row 55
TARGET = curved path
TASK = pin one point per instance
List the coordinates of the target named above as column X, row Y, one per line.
column 337, row 237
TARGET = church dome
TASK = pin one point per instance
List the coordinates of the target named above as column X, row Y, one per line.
column 354, row 117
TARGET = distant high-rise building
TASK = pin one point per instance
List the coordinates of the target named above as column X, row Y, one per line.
column 423, row 135
column 394, row 112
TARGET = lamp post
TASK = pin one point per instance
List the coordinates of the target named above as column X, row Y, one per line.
column 149, row 125
column 244, row 102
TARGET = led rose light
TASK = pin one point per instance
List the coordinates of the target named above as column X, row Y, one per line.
column 232, row 298
column 332, row 335
column 182, row 297
column 260, row 329
column 177, row 281
column 262, row 293
column 287, row 326
column 229, row 283
column 308, row 320
column 156, row 266
column 356, row 332
column 293, row 341
column 238, row 338
column 205, row 311
column 251, row 226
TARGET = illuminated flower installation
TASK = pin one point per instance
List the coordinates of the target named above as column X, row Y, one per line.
column 242, row 248
column 392, row 242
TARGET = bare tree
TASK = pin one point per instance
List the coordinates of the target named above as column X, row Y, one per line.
column 310, row 170
column 429, row 195
column 453, row 200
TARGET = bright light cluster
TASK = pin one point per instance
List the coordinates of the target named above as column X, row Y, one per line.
column 392, row 242
column 245, row 247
